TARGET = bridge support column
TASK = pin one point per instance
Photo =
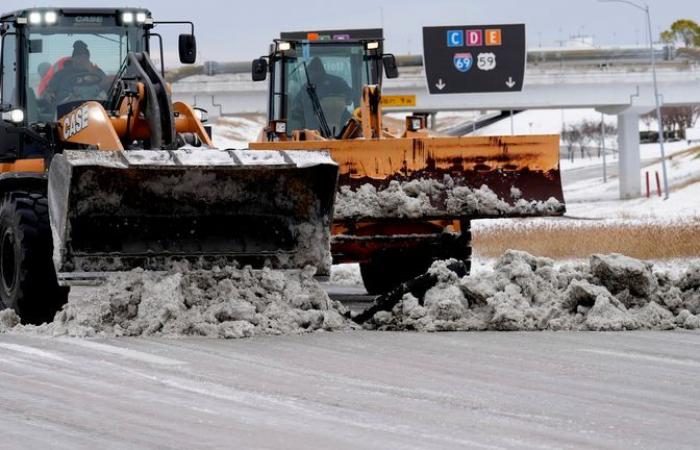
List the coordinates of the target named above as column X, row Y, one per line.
column 630, row 160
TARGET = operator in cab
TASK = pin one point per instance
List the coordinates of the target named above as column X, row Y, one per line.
column 77, row 79
column 334, row 96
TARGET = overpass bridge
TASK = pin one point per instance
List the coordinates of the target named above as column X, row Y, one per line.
column 614, row 81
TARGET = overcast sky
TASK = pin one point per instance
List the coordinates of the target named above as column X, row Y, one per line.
column 242, row 30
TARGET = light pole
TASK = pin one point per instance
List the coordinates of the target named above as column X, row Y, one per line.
column 645, row 9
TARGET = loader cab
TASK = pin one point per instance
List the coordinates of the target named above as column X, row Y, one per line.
column 55, row 58
column 316, row 82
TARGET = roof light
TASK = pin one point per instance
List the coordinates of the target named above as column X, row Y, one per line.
column 312, row 36
column 35, row 18
column 128, row 17
column 284, row 46
column 51, row 17
column 14, row 116
column 374, row 45
column 141, row 17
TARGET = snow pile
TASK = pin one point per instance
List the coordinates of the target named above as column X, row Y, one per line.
column 8, row 320
column 524, row 292
column 346, row 275
column 422, row 198
column 237, row 132
column 224, row 303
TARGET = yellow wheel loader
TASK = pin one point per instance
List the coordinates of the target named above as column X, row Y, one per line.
column 404, row 197
column 101, row 172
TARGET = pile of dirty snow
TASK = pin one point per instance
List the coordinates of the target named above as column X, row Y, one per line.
column 524, row 292
column 346, row 275
column 430, row 198
column 225, row 303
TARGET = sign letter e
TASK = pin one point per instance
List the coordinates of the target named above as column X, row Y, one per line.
column 493, row 37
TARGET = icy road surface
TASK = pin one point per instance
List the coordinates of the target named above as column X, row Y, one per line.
column 353, row 390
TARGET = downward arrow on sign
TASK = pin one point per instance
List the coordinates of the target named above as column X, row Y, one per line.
column 510, row 83
column 440, row 84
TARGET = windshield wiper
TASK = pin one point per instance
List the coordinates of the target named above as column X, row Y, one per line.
column 112, row 94
column 316, row 104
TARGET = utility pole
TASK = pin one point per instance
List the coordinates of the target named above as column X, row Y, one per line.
column 657, row 97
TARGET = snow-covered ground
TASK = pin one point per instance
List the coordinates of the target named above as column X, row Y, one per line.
column 590, row 197
column 237, row 132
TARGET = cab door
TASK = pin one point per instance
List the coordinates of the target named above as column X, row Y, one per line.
column 9, row 96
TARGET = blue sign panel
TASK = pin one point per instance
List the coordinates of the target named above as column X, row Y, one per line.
column 455, row 38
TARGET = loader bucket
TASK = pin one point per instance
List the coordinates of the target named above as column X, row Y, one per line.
column 434, row 178
column 114, row 211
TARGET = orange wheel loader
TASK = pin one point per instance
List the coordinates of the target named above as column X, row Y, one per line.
column 404, row 198
column 101, row 172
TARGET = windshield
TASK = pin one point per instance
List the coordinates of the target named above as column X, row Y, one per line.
column 73, row 64
column 324, row 84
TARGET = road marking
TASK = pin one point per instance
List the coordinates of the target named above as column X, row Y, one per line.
column 33, row 352
column 124, row 352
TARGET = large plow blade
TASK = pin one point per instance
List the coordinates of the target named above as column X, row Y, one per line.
column 121, row 210
column 437, row 178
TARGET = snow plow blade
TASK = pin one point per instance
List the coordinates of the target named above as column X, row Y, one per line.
column 434, row 178
column 114, row 211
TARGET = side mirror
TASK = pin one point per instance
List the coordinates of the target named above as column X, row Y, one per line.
column 391, row 70
column 259, row 69
column 187, row 47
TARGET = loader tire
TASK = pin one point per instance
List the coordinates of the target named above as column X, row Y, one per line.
column 386, row 271
column 27, row 276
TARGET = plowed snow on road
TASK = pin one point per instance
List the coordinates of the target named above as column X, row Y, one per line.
column 521, row 292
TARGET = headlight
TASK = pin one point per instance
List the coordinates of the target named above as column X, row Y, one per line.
column 14, row 116
column 284, row 46
column 128, row 17
column 35, row 18
column 50, row 17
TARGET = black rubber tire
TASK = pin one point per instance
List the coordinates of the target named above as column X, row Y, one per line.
column 27, row 276
column 466, row 239
column 388, row 270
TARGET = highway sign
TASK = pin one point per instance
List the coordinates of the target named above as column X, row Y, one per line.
column 398, row 101
column 474, row 58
